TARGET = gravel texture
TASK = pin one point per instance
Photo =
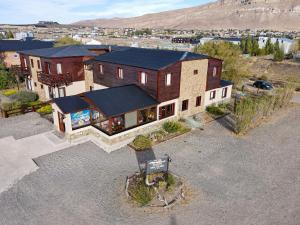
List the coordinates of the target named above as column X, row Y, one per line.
column 24, row 125
column 234, row 180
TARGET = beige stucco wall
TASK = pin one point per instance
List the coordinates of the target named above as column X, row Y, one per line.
column 88, row 76
column 218, row 99
column 192, row 86
column 38, row 88
column 11, row 58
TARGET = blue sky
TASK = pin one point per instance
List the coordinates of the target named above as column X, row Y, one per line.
column 67, row 11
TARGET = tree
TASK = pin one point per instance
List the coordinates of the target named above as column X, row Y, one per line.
column 66, row 41
column 255, row 48
column 243, row 45
column 234, row 65
column 1, row 36
column 269, row 47
column 10, row 35
column 248, row 47
column 6, row 78
column 278, row 52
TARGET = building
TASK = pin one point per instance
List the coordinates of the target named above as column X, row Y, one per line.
column 185, row 40
column 135, row 90
column 58, row 72
column 284, row 43
column 9, row 49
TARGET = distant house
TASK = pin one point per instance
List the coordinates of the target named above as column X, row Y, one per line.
column 233, row 40
column 185, row 40
column 133, row 90
column 9, row 49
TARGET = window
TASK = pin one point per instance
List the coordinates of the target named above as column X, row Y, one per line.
column 101, row 69
column 62, row 92
column 198, row 101
column 91, row 88
column 51, row 92
column 143, row 78
column 212, row 95
column 168, row 79
column 47, row 68
column 39, row 64
column 185, row 105
column 166, row 111
column 120, row 73
column 214, row 71
column 31, row 62
column 35, row 84
column 25, row 63
column 195, row 72
column 224, row 92
column 42, row 86
column 58, row 68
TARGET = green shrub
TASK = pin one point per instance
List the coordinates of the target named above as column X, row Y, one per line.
column 215, row 110
column 11, row 105
column 9, row 92
column 141, row 193
column 37, row 102
column 24, row 97
column 142, row 142
column 47, row 109
column 172, row 126
column 170, row 181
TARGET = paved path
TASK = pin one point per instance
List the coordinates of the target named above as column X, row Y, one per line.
column 234, row 180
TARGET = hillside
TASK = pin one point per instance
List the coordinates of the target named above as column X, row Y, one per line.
column 222, row 14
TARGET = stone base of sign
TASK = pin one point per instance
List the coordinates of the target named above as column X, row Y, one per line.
column 163, row 198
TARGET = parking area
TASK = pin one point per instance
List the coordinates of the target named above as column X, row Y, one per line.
column 233, row 180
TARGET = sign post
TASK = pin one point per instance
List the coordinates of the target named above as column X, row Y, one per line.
column 156, row 169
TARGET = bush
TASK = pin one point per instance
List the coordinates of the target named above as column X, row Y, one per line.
column 11, row 105
column 141, row 193
column 24, row 97
column 9, row 92
column 215, row 110
column 142, row 142
column 47, row 109
column 172, row 126
column 170, row 181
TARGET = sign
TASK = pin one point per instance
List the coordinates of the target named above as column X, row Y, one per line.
column 157, row 165
column 80, row 119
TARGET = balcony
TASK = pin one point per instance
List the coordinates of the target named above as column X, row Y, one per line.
column 54, row 80
column 22, row 72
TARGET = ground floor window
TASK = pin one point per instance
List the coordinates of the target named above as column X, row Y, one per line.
column 198, row 101
column 61, row 92
column 80, row 119
column 212, row 95
column 185, row 105
column 224, row 92
column 51, row 92
column 166, row 111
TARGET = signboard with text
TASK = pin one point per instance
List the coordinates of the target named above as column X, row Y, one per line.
column 157, row 166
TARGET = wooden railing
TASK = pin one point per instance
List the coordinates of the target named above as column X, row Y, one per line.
column 20, row 71
column 54, row 80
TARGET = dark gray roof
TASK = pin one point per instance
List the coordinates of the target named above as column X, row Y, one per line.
column 71, row 104
column 63, row 51
column 21, row 45
column 118, row 100
column 154, row 59
column 225, row 83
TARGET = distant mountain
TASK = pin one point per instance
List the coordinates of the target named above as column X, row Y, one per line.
column 222, row 14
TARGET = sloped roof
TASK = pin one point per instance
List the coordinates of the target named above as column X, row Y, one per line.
column 71, row 104
column 21, row 45
column 118, row 100
column 154, row 59
column 58, row 52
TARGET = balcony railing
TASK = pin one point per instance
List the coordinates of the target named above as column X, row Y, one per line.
column 55, row 80
column 20, row 71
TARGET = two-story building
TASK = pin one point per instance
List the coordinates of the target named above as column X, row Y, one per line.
column 59, row 71
column 135, row 89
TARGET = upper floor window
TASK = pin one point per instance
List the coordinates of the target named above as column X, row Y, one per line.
column 31, row 62
column 120, row 73
column 101, row 69
column 25, row 63
column 39, row 64
column 195, row 72
column 48, row 68
column 58, row 68
column 185, row 105
column 143, row 78
column 168, row 79
column 198, row 101
column 214, row 71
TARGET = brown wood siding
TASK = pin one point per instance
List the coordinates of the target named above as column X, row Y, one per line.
column 72, row 65
column 213, row 82
column 166, row 93
column 130, row 76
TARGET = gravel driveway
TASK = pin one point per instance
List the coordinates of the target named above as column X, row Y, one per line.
column 234, row 181
column 24, row 126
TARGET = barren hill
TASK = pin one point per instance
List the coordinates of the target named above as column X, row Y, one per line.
column 239, row 14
